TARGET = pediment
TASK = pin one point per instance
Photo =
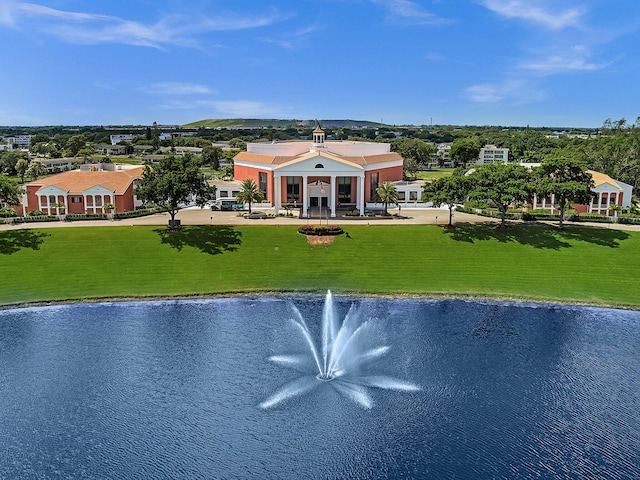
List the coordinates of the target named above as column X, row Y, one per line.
column 98, row 190
column 51, row 190
column 606, row 187
column 319, row 163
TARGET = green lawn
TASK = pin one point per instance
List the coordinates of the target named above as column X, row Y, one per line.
column 434, row 173
column 579, row 264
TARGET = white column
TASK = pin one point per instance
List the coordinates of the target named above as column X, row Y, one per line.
column 84, row 198
column 305, row 198
column 277, row 197
column 40, row 202
column 66, row 204
column 600, row 202
column 361, row 193
column 332, row 194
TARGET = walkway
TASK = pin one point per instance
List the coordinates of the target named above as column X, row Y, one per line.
column 204, row 216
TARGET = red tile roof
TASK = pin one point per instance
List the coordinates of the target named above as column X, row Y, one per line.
column 79, row 181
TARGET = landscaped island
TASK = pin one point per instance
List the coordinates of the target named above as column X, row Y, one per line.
column 538, row 263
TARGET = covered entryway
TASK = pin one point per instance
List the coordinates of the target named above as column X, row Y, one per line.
column 320, row 175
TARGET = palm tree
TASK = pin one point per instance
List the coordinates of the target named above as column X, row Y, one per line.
column 387, row 193
column 249, row 193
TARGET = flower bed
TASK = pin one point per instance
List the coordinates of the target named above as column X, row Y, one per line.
column 320, row 230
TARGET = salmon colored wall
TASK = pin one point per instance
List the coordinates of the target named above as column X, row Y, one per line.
column 241, row 173
column 124, row 203
column 391, row 174
column 75, row 207
column 580, row 208
column 32, row 199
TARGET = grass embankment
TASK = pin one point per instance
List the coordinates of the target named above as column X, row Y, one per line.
column 581, row 265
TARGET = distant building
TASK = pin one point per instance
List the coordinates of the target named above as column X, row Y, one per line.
column 60, row 164
column 444, row 154
column 493, row 154
column 20, row 141
column 110, row 149
column 123, row 137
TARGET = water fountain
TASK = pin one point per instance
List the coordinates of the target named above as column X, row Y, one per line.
column 344, row 349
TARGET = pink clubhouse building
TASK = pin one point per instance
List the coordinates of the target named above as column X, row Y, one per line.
column 84, row 191
column 318, row 173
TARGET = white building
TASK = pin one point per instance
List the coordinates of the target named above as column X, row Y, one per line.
column 123, row 137
column 493, row 154
column 20, row 141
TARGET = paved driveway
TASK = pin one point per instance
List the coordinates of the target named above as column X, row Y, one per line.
column 204, row 216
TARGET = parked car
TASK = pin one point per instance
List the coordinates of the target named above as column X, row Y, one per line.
column 256, row 214
column 227, row 204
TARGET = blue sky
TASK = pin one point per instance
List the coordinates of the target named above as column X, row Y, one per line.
column 464, row 62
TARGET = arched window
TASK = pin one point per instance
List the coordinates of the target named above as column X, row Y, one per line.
column 319, row 165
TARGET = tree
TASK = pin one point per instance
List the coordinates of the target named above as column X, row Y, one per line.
column 21, row 168
column 9, row 191
column 464, row 151
column 410, row 168
column 449, row 191
column 413, row 148
column 501, row 184
column 566, row 179
column 8, row 161
column 249, row 193
column 387, row 193
column 211, row 156
column 36, row 169
column 74, row 144
column 172, row 182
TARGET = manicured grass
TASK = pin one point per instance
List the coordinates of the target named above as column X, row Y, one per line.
column 579, row 264
column 434, row 173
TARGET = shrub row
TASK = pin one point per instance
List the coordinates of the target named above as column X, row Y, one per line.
column 320, row 230
column 36, row 218
column 74, row 217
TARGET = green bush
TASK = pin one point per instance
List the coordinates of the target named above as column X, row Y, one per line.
column 7, row 212
column 36, row 218
column 36, row 213
column 74, row 217
column 136, row 213
column 320, row 230
column 592, row 217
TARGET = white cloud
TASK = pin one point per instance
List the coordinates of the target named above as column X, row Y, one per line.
column 515, row 92
column 90, row 29
column 575, row 59
column 177, row 88
column 530, row 10
column 406, row 11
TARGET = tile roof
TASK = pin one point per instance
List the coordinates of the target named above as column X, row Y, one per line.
column 279, row 160
column 600, row 178
column 76, row 181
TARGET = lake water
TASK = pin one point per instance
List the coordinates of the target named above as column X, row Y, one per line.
column 176, row 389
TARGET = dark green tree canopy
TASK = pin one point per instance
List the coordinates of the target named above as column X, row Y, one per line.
column 174, row 181
column 9, row 191
column 449, row 191
column 464, row 151
column 501, row 184
column 566, row 180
